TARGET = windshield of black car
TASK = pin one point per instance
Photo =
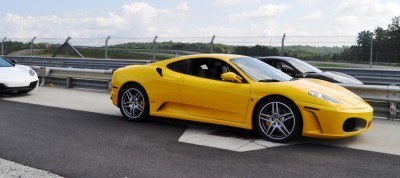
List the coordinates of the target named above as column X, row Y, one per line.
column 259, row 71
column 4, row 63
column 304, row 67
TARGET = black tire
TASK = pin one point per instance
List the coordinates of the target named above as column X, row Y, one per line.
column 23, row 92
column 282, row 126
column 137, row 108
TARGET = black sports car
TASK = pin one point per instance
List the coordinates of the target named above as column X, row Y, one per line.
column 300, row 69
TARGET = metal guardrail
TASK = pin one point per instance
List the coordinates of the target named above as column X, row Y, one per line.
column 78, row 62
column 98, row 79
column 384, row 99
column 370, row 76
column 366, row 75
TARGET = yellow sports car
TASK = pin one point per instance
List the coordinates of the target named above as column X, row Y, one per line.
column 239, row 91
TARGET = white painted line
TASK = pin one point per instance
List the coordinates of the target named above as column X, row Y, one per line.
column 204, row 137
column 12, row 169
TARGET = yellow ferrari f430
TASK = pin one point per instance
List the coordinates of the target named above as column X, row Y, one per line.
column 239, row 91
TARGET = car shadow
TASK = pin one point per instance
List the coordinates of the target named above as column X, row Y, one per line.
column 13, row 95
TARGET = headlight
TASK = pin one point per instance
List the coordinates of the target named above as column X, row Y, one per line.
column 32, row 72
column 323, row 97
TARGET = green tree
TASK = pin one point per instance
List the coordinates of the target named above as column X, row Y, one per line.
column 393, row 31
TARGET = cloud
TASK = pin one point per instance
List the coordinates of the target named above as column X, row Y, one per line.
column 308, row 2
column 134, row 19
column 265, row 28
column 142, row 19
column 366, row 14
column 269, row 10
column 232, row 2
column 314, row 16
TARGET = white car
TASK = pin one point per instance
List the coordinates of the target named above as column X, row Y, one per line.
column 16, row 78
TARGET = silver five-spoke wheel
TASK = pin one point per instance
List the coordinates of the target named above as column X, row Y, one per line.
column 133, row 103
column 278, row 120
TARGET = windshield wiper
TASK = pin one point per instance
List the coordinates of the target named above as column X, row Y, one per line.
column 294, row 78
column 269, row 80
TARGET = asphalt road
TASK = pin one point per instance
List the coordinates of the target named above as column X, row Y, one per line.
column 83, row 144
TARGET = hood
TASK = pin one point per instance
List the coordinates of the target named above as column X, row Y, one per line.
column 347, row 98
column 16, row 72
column 342, row 77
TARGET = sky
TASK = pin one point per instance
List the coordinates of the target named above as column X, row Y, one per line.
column 192, row 18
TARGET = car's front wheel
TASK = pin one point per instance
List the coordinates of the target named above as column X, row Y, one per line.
column 134, row 103
column 278, row 119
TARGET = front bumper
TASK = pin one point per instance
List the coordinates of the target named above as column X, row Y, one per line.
column 7, row 89
column 330, row 122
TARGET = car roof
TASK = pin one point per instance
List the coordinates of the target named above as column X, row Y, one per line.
column 289, row 59
column 224, row 57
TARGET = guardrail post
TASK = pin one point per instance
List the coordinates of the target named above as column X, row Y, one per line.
column 2, row 45
column 154, row 47
column 370, row 56
column 43, row 73
column 283, row 44
column 33, row 39
column 212, row 43
column 70, row 81
column 67, row 46
column 109, row 85
column 394, row 111
column 106, row 48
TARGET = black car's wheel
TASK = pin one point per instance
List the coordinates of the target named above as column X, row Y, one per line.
column 134, row 103
column 278, row 119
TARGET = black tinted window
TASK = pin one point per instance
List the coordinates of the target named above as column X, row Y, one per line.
column 268, row 62
column 180, row 66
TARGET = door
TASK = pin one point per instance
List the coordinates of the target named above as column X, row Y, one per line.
column 206, row 95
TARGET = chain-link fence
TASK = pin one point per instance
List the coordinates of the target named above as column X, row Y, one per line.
column 327, row 51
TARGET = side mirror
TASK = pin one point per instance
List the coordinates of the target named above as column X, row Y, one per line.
column 230, row 76
column 13, row 61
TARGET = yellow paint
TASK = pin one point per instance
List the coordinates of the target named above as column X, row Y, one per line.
column 181, row 96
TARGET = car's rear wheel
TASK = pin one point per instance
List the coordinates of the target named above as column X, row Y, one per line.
column 134, row 103
column 278, row 119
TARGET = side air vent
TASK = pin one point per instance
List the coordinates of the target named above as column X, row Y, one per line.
column 159, row 71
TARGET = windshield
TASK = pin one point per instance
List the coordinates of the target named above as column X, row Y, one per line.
column 303, row 67
column 259, row 71
column 4, row 63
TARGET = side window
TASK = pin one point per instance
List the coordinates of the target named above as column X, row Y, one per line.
column 288, row 69
column 180, row 66
column 210, row 68
column 285, row 66
column 269, row 62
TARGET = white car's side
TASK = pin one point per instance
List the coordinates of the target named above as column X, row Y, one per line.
column 16, row 78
